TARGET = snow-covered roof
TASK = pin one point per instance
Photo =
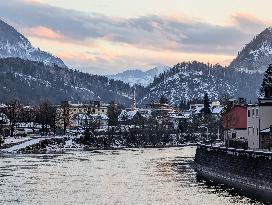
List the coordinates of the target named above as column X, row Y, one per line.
column 91, row 116
column 197, row 110
column 4, row 118
column 132, row 113
column 215, row 103
column 28, row 125
column 186, row 115
column 265, row 130
column 217, row 110
column 128, row 114
column 82, row 116
column 101, row 116
column 3, row 106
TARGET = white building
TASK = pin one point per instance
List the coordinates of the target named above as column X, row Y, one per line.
column 253, row 126
column 259, row 121
column 196, row 108
column 85, row 120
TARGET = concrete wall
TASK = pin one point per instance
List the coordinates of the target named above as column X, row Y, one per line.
column 254, row 165
column 240, row 134
column 265, row 117
column 246, row 168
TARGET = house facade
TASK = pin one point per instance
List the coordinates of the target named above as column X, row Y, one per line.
column 235, row 123
column 253, row 126
column 69, row 113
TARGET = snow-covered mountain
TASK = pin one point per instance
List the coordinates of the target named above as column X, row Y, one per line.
column 24, row 77
column 191, row 80
column 242, row 78
column 13, row 44
column 31, row 82
column 256, row 55
column 139, row 77
column 31, row 75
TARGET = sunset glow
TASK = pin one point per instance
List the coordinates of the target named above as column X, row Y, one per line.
column 108, row 37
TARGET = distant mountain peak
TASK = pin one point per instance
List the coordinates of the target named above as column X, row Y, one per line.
column 256, row 55
column 13, row 44
column 137, row 76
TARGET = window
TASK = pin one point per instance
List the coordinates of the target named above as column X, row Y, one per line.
column 257, row 131
column 233, row 135
column 102, row 110
column 257, row 112
column 253, row 112
column 248, row 113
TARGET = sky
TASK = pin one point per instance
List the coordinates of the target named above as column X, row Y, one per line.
column 109, row 36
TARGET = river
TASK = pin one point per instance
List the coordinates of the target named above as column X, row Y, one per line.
column 132, row 176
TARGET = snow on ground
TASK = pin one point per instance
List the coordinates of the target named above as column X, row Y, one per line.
column 23, row 145
column 12, row 140
column 71, row 144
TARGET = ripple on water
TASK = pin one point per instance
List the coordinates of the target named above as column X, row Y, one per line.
column 129, row 176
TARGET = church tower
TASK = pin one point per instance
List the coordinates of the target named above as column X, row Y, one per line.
column 133, row 104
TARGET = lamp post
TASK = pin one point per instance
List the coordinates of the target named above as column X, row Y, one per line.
column 207, row 131
column 218, row 134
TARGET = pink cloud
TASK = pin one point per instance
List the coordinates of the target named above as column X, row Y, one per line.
column 43, row 32
column 34, row 1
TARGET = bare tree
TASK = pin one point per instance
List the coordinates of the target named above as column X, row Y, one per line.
column 46, row 116
column 13, row 111
column 65, row 115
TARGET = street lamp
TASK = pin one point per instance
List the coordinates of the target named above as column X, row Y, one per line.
column 207, row 133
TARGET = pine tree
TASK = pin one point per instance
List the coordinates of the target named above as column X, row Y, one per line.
column 266, row 82
column 1, row 140
column 206, row 110
column 164, row 100
column 113, row 113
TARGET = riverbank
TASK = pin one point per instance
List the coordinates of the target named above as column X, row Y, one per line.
column 61, row 144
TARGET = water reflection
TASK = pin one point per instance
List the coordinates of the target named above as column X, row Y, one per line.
column 131, row 176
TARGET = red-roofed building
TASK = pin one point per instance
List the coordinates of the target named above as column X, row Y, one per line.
column 235, row 123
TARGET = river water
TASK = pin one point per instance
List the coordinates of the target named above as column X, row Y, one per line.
column 132, row 176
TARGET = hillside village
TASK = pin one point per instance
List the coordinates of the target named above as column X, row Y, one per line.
column 188, row 103
column 106, row 125
column 174, row 125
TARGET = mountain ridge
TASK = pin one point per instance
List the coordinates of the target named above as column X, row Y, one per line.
column 51, row 78
column 256, row 55
column 137, row 76
column 14, row 45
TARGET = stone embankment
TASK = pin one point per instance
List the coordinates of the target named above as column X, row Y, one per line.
column 246, row 170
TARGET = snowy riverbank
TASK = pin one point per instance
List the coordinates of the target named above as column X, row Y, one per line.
column 40, row 144
column 60, row 144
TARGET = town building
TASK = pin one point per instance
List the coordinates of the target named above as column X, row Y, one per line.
column 196, row 108
column 235, row 123
column 260, row 121
column 70, row 113
column 161, row 109
column 90, row 121
column 253, row 123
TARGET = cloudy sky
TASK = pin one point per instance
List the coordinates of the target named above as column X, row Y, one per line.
column 108, row 36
